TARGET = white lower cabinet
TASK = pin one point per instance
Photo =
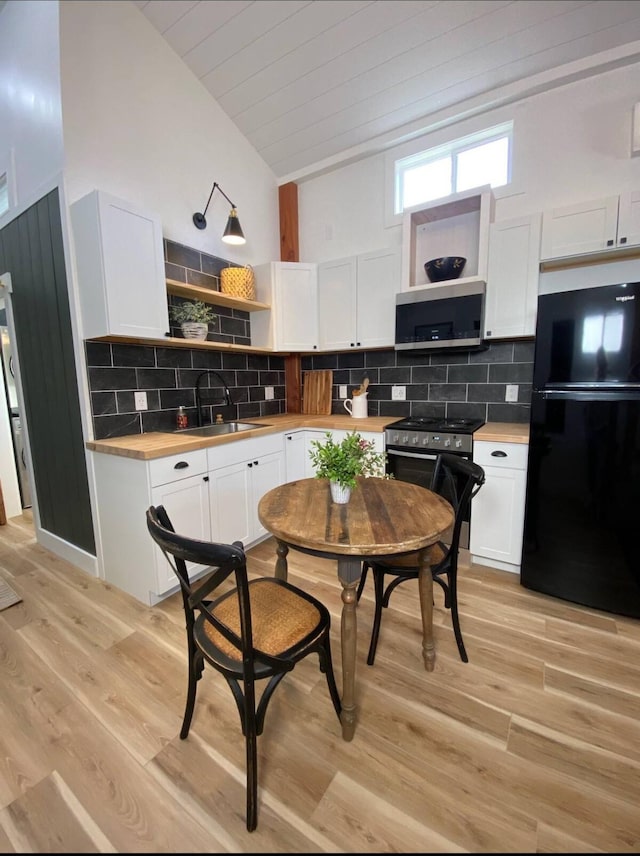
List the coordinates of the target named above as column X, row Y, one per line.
column 240, row 473
column 497, row 512
column 125, row 488
column 295, row 452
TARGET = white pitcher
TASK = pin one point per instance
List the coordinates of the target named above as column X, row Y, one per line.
column 357, row 406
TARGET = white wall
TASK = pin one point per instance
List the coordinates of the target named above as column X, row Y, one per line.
column 139, row 125
column 30, row 112
column 571, row 144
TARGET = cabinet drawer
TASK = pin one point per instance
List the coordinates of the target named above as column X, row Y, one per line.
column 243, row 450
column 174, row 467
column 512, row 455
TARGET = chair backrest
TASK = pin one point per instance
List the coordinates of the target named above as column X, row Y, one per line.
column 457, row 480
column 224, row 560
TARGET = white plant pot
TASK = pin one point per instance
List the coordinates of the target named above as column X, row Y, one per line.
column 339, row 493
column 194, row 330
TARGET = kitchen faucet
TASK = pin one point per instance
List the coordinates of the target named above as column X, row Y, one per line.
column 227, row 394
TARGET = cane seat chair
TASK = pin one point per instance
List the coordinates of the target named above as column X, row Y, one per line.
column 458, row 480
column 257, row 630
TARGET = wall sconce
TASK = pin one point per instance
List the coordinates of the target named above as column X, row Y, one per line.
column 233, row 233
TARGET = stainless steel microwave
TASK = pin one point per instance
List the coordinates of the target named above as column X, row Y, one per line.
column 440, row 316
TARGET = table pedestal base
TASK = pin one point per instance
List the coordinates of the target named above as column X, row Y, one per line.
column 349, row 571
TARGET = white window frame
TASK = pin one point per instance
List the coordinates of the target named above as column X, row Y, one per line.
column 411, row 156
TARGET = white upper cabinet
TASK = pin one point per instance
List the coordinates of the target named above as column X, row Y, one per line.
column 356, row 300
column 512, row 280
column 457, row 226
column 291, row 288
column 592, row 227
column 120, row 267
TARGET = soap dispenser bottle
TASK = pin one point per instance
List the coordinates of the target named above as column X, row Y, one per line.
column 182, row 419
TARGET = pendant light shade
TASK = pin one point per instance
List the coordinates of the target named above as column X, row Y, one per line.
column 233, row 233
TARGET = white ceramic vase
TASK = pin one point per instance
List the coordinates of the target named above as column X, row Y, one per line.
column 194, row 330
column 340, row 493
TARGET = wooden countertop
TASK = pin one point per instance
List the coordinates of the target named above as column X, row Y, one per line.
column 158, row 444
column 503, row 432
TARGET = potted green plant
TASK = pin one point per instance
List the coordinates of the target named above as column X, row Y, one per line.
column 194, row 317
column 344, row 461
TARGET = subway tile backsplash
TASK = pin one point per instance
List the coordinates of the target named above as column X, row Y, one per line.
column 455, row 384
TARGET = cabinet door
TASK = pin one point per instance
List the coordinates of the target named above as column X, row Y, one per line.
column 295, row 456
column 584, row 228
column 296, row 297
column 230, row 501
column 512, row 281
column 497, row 517
column 266, row 473
column 187, row 504
column 337, row 305
column 377, row 283
column 629, row 219
column 120, row 267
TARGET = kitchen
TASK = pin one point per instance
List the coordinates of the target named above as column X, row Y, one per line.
column 326, row 195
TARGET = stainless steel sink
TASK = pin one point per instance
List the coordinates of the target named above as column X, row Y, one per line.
column 221, row 428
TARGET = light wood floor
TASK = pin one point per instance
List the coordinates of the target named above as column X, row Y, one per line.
column 533, row 746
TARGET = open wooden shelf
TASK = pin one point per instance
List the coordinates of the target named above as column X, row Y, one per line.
column 197, row 292
column 193, row 344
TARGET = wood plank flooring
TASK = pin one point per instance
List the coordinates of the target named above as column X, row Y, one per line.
column 533, row 746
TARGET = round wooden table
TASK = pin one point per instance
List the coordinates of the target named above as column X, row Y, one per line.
column 384, row 517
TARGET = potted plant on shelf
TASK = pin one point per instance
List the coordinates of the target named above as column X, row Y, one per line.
column 343, row 462
column 194, row 317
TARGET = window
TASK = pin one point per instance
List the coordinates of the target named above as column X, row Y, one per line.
column 473, row 161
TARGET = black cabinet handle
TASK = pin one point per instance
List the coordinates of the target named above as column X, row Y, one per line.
column 623, row 240
column 498, row 454
column 609, row 243
column 181, row 465
column 249, row 465
column 256, row 463
column 205, row 478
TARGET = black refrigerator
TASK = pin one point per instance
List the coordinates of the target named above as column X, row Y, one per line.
column 582, row 519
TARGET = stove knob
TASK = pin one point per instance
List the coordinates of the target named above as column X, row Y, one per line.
column 405, row 439
column 447, row 443
column 458, row 444
column 425, row 442
column 414, row 440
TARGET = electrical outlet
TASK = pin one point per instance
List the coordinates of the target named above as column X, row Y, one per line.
column 398, row 393
column 343, row 391
column 268, row 393
column 511, row 392
column 140, row 399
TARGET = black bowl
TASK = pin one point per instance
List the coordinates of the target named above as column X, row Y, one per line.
column 446, row 267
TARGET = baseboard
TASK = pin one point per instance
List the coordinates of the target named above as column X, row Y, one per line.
column 75, row 555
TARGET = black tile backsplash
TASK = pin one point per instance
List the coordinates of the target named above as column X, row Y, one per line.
column 458, row 384
column 454, row 384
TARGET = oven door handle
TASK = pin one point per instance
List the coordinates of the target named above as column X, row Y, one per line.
column 424, row 456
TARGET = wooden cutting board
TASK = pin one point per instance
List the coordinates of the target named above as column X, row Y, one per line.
column 316, row 391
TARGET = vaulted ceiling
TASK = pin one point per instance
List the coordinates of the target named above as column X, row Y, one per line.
column 312, row 83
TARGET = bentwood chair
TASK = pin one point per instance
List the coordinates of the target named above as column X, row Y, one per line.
column 258, row 630
column 458, row 480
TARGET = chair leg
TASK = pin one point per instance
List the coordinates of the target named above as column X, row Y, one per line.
column 326, row 666
column 196, row 665
column 363, row 579
column 251, row 743
column 378, row 582
column 453, row 590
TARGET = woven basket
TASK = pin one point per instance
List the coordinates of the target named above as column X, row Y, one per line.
column 239, row 281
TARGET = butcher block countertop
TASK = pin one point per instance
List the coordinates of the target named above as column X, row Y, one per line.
column 158, row 444
column 503, row 432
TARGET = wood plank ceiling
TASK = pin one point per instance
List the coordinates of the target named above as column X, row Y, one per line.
column 311, row 83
